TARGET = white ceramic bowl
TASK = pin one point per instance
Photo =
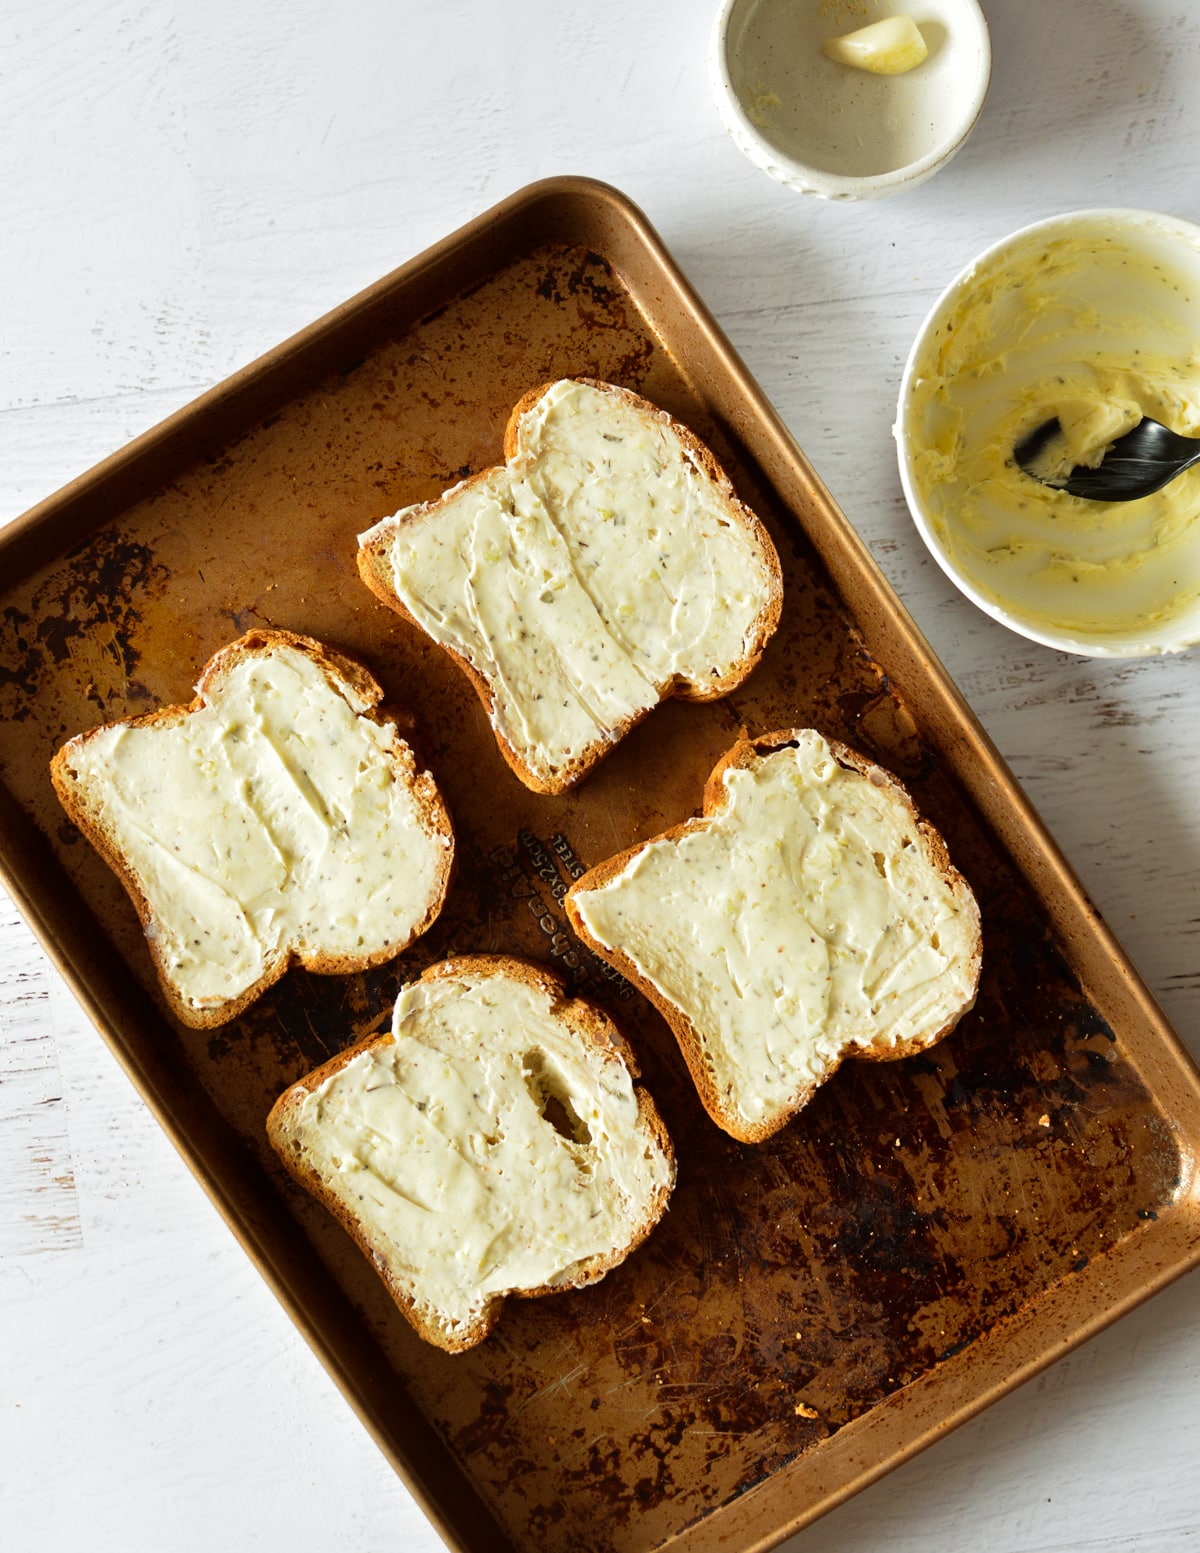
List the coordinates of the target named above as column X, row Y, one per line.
column 1107, row 299
column 835, row 131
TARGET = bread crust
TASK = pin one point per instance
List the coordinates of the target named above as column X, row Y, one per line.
column 335, row 666
column 745, row 753
column 595, row 1028
column 374, row 570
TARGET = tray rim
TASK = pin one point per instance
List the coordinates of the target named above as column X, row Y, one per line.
column 1164, row 1064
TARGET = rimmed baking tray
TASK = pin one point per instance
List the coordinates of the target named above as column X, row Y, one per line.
column 811, row 1311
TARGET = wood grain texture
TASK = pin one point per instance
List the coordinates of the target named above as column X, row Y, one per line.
column 186, row 187
column 38, row 1205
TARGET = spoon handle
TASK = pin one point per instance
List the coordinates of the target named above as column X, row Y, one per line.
column 1128, row 476
column 1138, row 463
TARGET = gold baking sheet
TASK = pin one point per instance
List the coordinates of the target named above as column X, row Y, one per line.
column 925, row 1235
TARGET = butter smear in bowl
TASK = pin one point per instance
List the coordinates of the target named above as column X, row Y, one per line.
column 850, row 99
column 1093, row 317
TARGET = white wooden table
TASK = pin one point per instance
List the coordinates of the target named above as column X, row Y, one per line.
column 186, row 185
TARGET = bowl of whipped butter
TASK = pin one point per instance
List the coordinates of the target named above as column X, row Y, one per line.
column 1092, row 317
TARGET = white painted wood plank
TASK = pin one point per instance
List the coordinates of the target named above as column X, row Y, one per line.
column 38, row 1208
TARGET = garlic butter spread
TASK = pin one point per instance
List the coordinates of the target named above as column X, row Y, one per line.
column 1098, row 330
column 586, row 576
column 802, row 918
column 272, row 818
column 440, row 1145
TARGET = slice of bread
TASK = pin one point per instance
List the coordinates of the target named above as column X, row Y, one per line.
column 808, row 915
column 274, row 818
column 605, row 565
column 494, row 1144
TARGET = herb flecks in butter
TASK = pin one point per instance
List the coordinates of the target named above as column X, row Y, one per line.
column 1091, row 329
column 485, row 1170
column 272, row 818
column 585, row 578
column 800, row 919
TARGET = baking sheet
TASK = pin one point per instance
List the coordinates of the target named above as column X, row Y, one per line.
column 811, row 1310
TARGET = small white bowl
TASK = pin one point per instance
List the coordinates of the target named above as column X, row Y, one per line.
column 829, row 129
column 1096, row 307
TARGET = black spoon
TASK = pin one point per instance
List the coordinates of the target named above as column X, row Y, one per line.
column 1141, row 461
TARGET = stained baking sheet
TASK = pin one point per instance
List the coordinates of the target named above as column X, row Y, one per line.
column 812, row 1310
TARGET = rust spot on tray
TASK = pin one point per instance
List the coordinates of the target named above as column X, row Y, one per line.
column 81, row 626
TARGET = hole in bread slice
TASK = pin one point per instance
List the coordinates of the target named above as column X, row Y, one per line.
column 552, row 1096
column 493, row 1144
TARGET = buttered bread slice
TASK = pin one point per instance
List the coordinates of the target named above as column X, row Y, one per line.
column 807, row 916
column 494, row 1144
column 274, row 818
column 605, row 565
